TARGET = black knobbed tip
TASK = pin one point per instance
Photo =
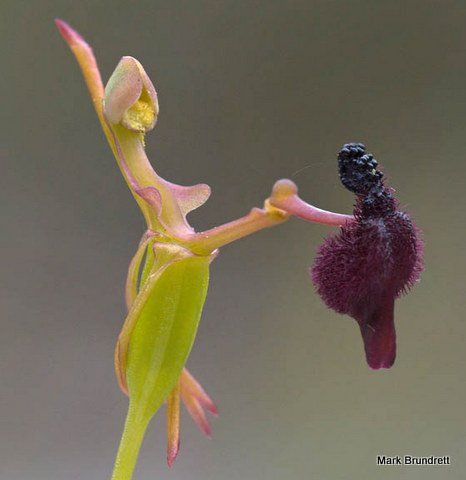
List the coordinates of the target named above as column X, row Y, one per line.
column 358, row 169
column 359, row 174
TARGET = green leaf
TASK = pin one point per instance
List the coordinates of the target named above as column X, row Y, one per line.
column 164, row 329
column 156, row 339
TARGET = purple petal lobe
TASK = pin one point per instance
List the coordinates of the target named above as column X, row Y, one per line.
column 378, row 335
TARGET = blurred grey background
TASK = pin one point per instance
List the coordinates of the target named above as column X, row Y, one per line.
column 249, row 92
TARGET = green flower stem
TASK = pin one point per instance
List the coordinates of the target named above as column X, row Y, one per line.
column 257, row 219
column 140, row 175
column 130, row 444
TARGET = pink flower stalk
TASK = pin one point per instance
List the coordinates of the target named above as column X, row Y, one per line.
column 372, row 261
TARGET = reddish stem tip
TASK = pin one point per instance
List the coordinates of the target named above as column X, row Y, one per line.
column 212, row 408
column 172, row 454
column 70, row 35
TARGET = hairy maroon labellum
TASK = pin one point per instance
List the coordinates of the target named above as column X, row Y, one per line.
column 373, row 260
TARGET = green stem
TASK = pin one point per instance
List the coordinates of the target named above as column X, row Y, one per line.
column 257, row 219
column 130, row 444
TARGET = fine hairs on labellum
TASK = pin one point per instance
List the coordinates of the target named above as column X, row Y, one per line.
column 373, row 260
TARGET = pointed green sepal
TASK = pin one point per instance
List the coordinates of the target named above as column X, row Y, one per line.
column 165, row 324
column 156, row 339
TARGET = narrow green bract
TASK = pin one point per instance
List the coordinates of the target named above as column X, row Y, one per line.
column 163, row 324
column 165, row 329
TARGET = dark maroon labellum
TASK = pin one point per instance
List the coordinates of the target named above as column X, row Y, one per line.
column 362, row 270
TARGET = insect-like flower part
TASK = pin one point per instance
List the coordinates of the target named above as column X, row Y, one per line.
column 371, row 261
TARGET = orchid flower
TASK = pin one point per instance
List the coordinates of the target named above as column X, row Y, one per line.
column 169, row 274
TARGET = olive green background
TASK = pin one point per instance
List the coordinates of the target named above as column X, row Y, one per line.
column 249, row 92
